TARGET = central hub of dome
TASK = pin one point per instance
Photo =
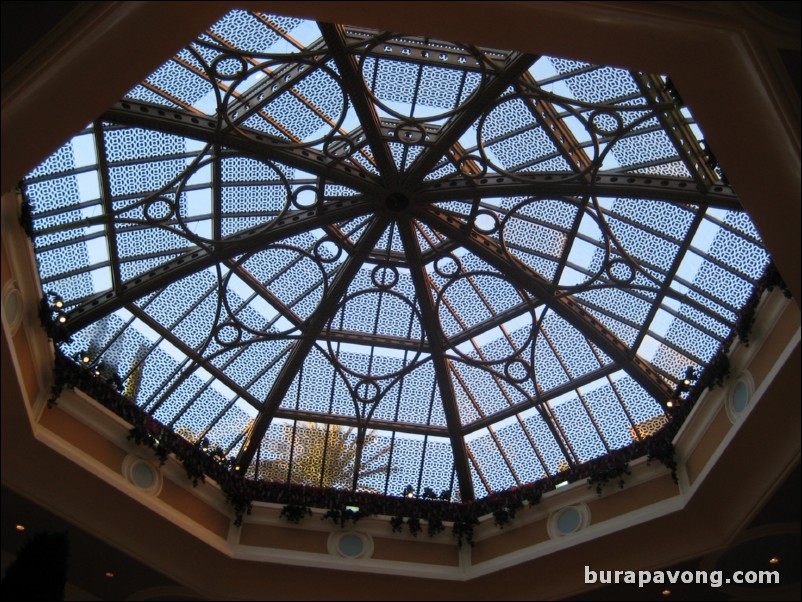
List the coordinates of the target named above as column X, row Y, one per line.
column 396, row 201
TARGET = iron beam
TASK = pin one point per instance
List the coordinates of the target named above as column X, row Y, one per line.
column 312, row 331
column 357, row 92
column 566, row 307
column 256, row 144
column 442, row 368
column 676, row 128
column 198, row 259
column 671, row 189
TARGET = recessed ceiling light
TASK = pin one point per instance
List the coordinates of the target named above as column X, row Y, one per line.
column 19, row 527
column 666, row 592
column 109, row 574
column 774, row 560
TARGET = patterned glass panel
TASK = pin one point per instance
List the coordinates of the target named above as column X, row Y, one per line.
column 335, row 233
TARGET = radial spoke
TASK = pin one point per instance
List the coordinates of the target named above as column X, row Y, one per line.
column 357, row 92
column 568, row 309
column 665, row 188
column 311, row 332
column 442, row 368
column 195, row 260
column 258, row 145
column 451, row 132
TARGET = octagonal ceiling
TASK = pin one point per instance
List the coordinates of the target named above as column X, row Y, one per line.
column 364, row 260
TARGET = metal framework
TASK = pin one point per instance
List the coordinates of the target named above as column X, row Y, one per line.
column 470, row 268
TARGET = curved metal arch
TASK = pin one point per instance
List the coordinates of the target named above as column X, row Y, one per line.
column 568, row 309
column 312, row 329
column 97, row 306
column 259, row 145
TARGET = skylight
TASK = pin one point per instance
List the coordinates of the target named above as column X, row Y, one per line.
column 311, row 244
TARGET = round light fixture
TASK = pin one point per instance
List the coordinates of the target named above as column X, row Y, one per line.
column 142, row 474
column 350, row 544
column 568, row 520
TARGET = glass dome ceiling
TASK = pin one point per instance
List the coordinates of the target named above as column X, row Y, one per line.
column 353, row 258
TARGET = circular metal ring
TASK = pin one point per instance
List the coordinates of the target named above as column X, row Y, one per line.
column 408, row 132
column 222, row 336
column 441, row 306
column 596, row 123
column 510, row 369
column 296, row 197
column 465, row 168
column 378, row 276
column 442, row 265
column 372, row 338
column 157, row 204
column 366, row 391
column 215, row 65
column 338, row 147
column 480, row 222
column 322, row 250
column 548, row 232
column 613, row 268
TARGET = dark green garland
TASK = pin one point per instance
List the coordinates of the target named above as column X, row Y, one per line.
column 770, row 280
column 298, row 500
column 295, row 512
column 26, row 215
column 614, row 471
column 55, row 330
column 241, row 492
column 463, row 530
column 341, row 516
column 434, row 526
